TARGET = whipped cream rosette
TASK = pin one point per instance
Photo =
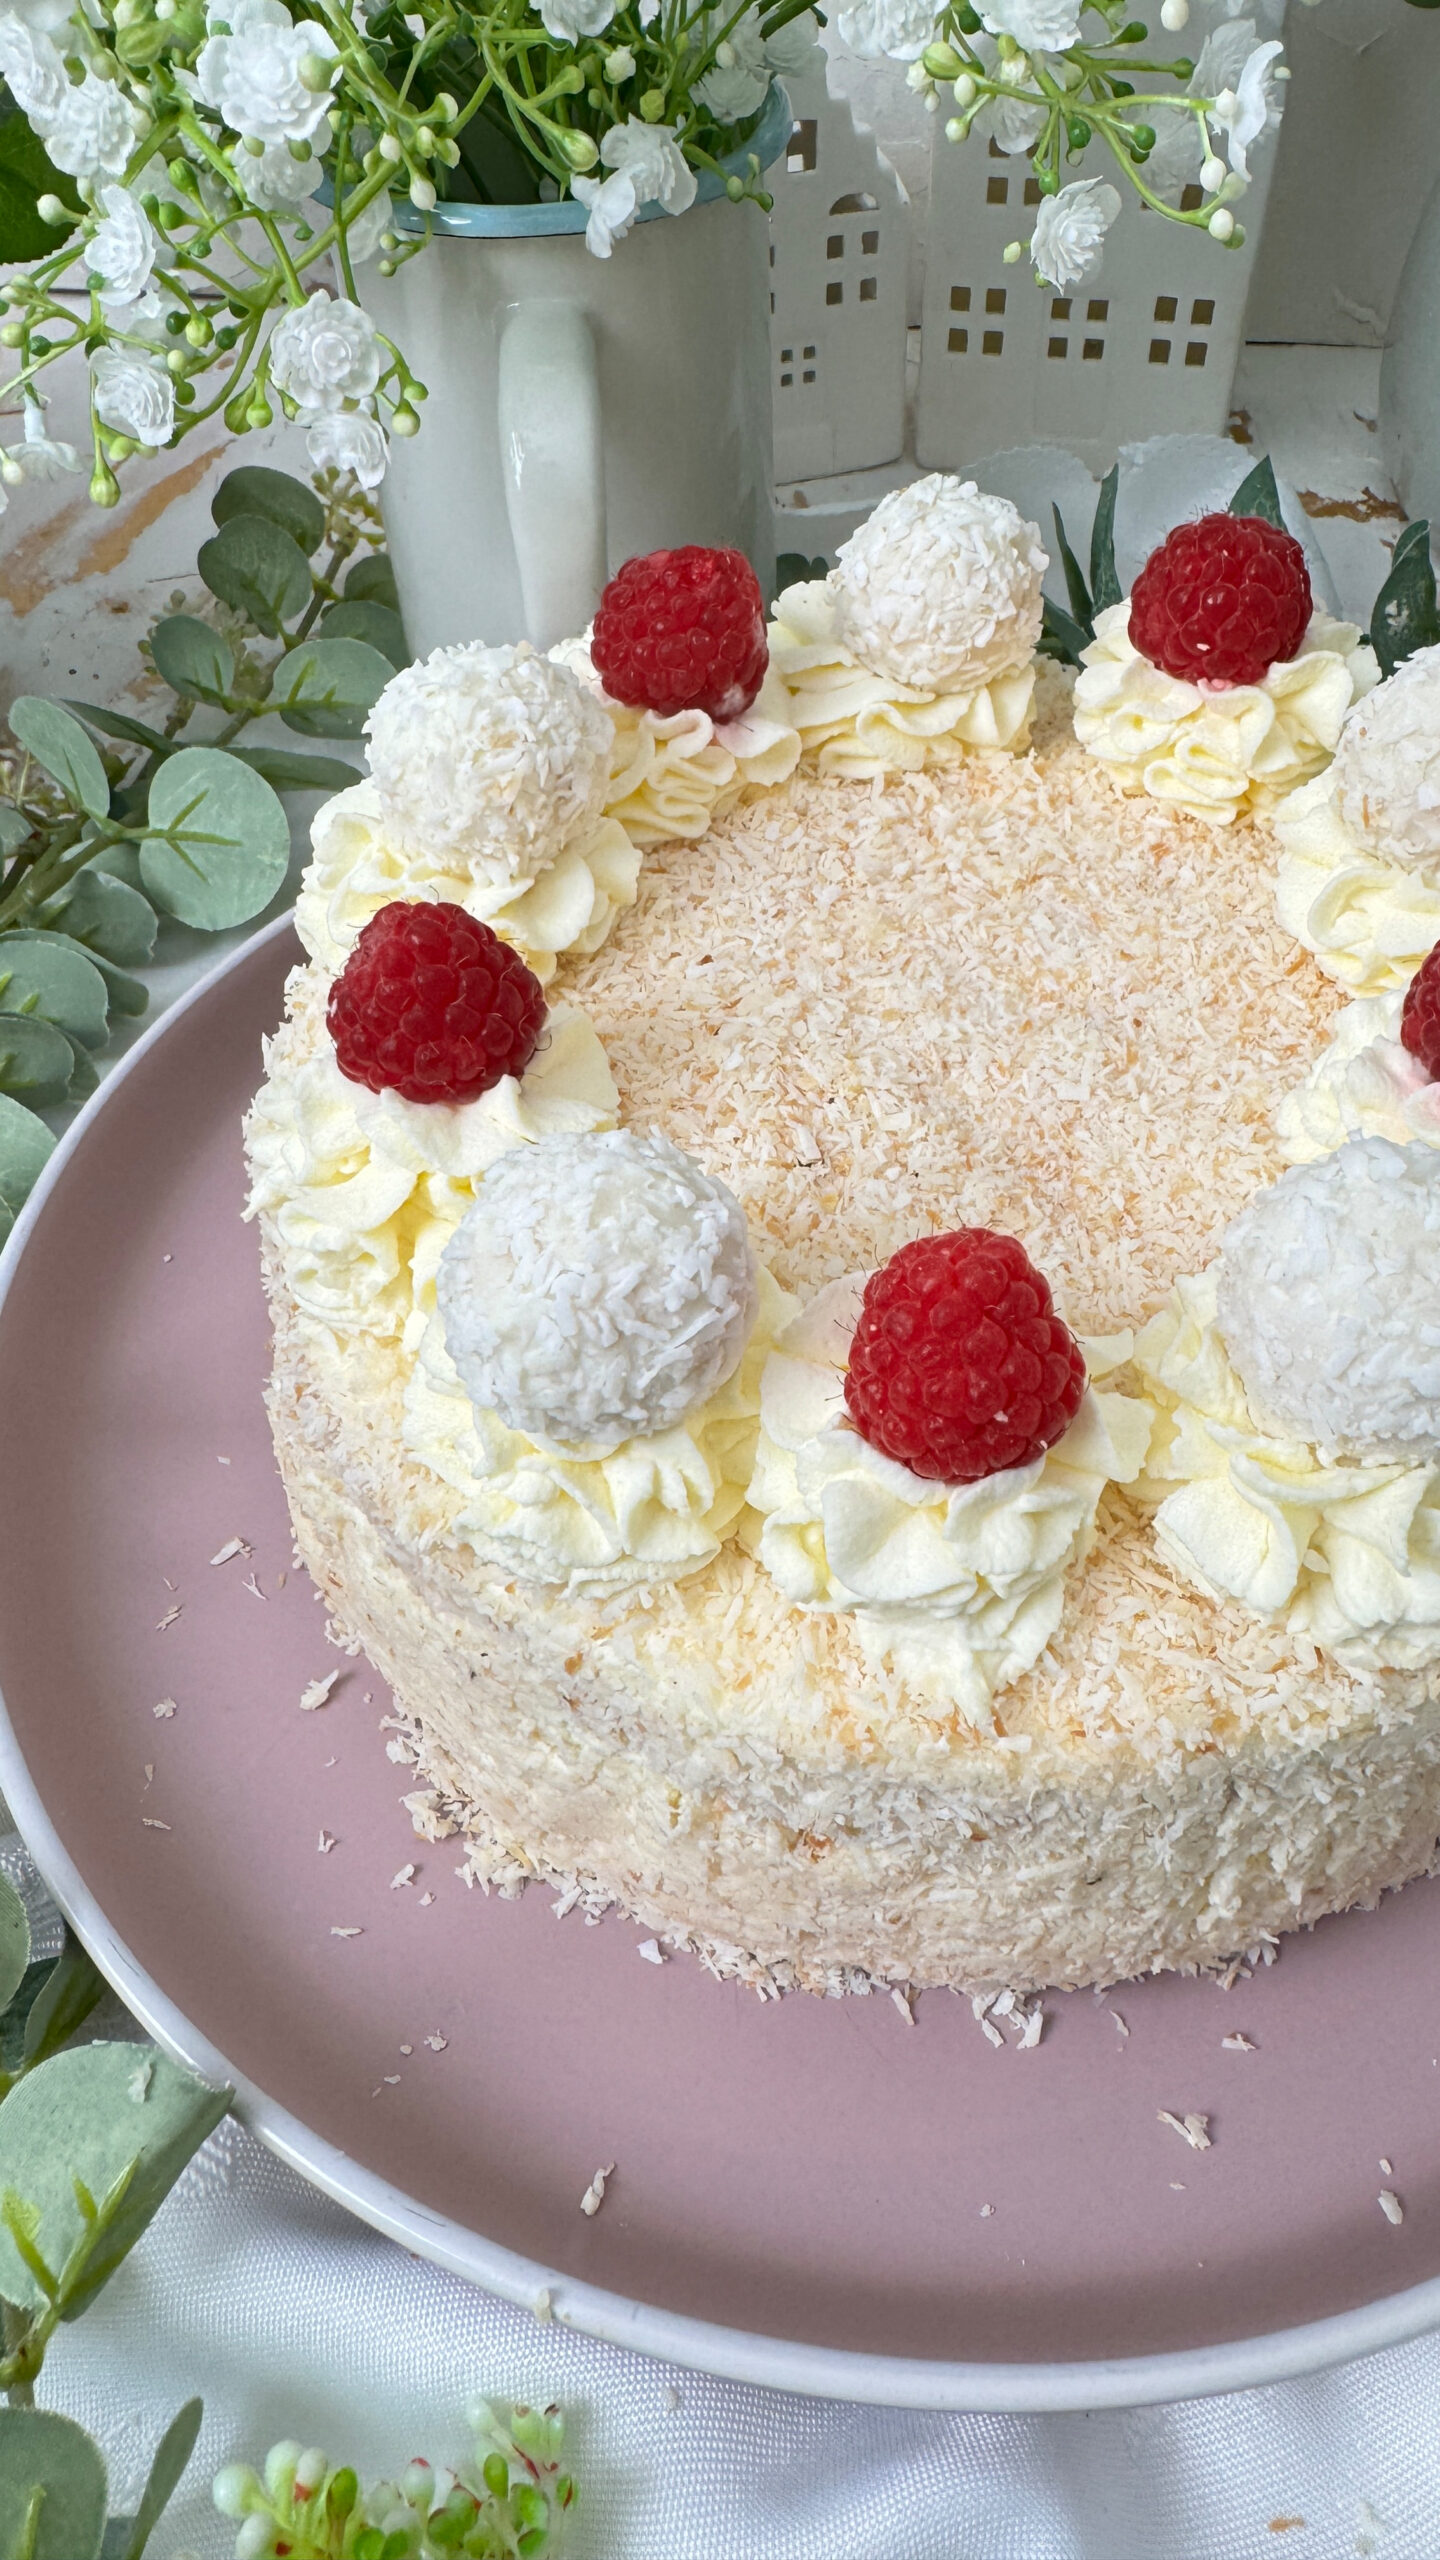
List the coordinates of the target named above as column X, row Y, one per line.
column 919, row 647
column 1365, row 1084
column 488, row 776
column 1359, row 875
column 1296, row 1466
column 957, row 1586
column 671, row 774
column 1218, row 752
column 587, row 1391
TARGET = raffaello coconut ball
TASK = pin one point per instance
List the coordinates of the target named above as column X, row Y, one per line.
column 1329, row 1302
column 489, row 761
column 598, row 1288
column 940, row 587
column 1386, row 773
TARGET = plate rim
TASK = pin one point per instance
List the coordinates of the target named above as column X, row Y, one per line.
column 678, row 2338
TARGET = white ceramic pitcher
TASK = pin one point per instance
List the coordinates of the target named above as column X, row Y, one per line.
column 581, row 409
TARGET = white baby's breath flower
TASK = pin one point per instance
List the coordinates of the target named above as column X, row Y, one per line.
column 900, row 29
column 1040, row 26
column 1247, row 111
column 652, row 160
column 349, row 440
column 41, row 457
column 365, row 233
column 268, row 79
column 46, row 17
column 737, row 83
column 1175, row 162
column 276, row 182
column 324, row 353
column 568, row 20
column 612, row 205
column 32, row 69
column 1070, row 232
column 132, row 396
column 1009, row 122
column 122, row 250
column 93, row 130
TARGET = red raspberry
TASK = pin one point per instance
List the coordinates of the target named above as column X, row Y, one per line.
column 683, row 631
column 1420, row 1015
column 1222, row 600
column 959, row 1364
column 433, row 1006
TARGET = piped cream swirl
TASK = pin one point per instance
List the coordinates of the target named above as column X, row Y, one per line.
column 1369, row 920
column 858, row 724
column 1365, row 1084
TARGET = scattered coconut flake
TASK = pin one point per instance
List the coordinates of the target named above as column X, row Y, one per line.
column 424, row 1898
column 149, row 1823
column 318, row 1691
column 347, row 1933
column 222, row 1462
column 171, row 1614
column 1236, row 2044
column 541, row 2306
column 981, row 2005
column 1120, row 2023
column 985, row 2212
column 232, row 1547
column 594, row 2195
column 250, row 1584
column 280, row 1581
column 167, row 1257
column 1387, row 2169
column 651, row 1950
column 1191, row 2129
column 407, row 2048
column 902, row 2003
column 164, row 1707
column 325, row 1843
column 391, row 2080
column 561, row 1910
column 1178, row 2187
column 1390, row 2205
column 437, row 2042
column 149, row 1773
column 405, row 1875
column 1031, row 2031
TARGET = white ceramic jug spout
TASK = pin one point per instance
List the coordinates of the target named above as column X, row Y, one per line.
column 553, row 455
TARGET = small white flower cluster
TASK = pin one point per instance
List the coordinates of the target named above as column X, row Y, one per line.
column 89, row 127
column 487, row 760
column 1329, row 1302
column 266, row 78
column 599, row 1289
column 647, row 166
column 1386, row 773
column 941, row 587
column 325, row 356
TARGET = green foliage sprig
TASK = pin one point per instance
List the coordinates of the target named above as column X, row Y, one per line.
column 92, row 2139
column 108, row 823
column 508, row 2503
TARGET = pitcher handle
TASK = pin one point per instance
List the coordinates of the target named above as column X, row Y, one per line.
column 553, row 454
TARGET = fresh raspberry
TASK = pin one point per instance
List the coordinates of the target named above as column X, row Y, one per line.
column 683, row 631
column 1420, row 1015
column 1222, row 600
column 959, row 1365
column 433, row 1006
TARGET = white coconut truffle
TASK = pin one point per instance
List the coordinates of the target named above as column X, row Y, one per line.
column 599, row 1288
column 1386, row 773
column 488, row 760
column 1329, row 1302
column 940, row 587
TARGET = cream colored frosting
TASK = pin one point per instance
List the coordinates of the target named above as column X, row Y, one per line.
column 670, row 777
column 355, row 869
column 1365, row 1084
column 858, row 724
column 649, row 1510
column 1224, row 751
column 958, row 1587
column 365, row 1190
column 1346, row 1554
column 1369, row 921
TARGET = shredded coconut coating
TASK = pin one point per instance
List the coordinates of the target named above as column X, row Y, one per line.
column 598, row 1287
column 1329, row 1301
column 1387, row 764
column 940, row 587
column 494, row 758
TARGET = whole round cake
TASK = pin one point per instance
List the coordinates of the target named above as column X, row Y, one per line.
column 808, row 1348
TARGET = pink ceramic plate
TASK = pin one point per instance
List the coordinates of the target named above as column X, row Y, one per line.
column 811, row 2193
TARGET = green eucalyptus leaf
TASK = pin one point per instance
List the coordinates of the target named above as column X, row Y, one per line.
column 1257, row 494
column 192, row 658
column 15, row 830
column 56, row 740
column 17, row 2017
column 35, row 1061
column 288, row 771
column 120, row 861
column 166, row 2472
column 1081, row 606
column 1405, row 617
column 253, row 491
column 325, row 688
column 72, row 1988
column 356, row 618
column 84, row 1075
column 119, row 2121
column 257, row 567
column 26, row 1146
column 222, row 842
column 14, row 1942
column 54, row 981
column 126, row 994
column 118, row 724
column 105, row 915
column 372, row 581
column 1105, row 587
column 40, row 2450
column 26, row 174
column 117, row 2538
